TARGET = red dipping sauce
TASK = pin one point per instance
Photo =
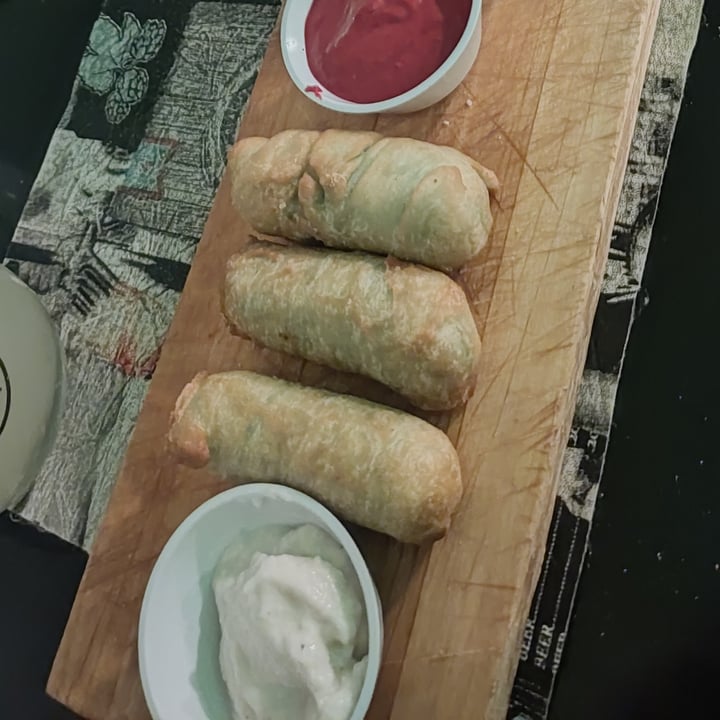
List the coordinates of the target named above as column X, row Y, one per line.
column 371, row 50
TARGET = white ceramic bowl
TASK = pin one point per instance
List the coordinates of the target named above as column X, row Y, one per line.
column 439, row 85
column 179, row 634
column 32, row 387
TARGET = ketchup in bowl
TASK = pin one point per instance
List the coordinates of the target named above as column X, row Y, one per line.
column 367, row 51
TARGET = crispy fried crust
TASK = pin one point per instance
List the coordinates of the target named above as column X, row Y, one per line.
column 403, row 325
column 375, row 466
column 188, row 441
column 358, row 190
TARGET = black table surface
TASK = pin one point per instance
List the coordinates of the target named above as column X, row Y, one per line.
column 647, row 623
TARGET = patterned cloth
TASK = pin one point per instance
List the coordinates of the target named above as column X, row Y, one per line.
column 113, row 219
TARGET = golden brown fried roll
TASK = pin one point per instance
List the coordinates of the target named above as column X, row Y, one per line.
column 373, row 465
column 404, row 325
column 360, row 191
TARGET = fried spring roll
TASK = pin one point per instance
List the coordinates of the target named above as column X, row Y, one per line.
column 404, row 325
column 360, row 191
column 373, row 465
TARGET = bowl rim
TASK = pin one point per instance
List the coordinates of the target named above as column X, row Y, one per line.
column 350, row 107
column 248, row 491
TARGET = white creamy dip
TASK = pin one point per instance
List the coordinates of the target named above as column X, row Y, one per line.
column 294, row 629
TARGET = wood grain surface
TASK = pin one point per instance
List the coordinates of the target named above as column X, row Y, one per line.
column 550, row 107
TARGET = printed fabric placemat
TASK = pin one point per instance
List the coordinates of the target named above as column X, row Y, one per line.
column 110, row 228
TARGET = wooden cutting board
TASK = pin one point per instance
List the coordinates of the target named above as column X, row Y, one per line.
column 550, row 106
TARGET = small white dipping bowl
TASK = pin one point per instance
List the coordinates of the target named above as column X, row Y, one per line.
column 433, row 89
column 179, row 633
